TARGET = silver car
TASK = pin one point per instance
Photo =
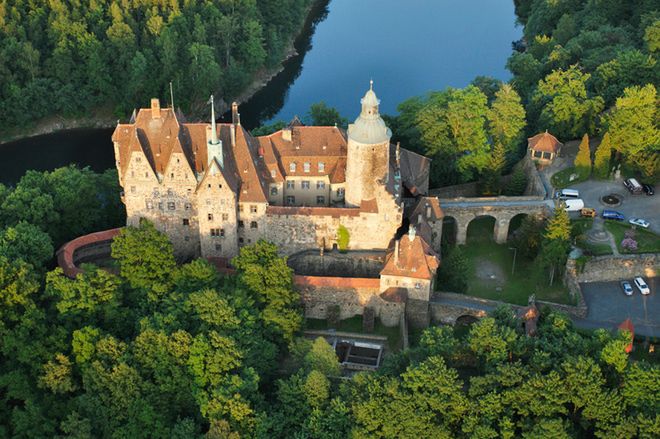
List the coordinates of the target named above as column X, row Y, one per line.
column 639, row 222
column 627, row 288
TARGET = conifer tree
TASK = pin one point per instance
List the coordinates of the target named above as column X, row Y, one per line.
column 583, row 158
column 496, row 163
column 557, row 241
column 602, row 157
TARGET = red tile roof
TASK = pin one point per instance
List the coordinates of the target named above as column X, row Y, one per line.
column 544, row 142
column 415, row 259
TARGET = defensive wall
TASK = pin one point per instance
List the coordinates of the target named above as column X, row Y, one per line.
column 84, row 249
column 614, row 268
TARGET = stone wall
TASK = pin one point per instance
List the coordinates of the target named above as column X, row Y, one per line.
column 360, row 264
column 613, row 268
column 94, row 245
column 351, row 295
column 535, row 185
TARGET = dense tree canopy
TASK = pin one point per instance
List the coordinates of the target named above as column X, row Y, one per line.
column 69, row 57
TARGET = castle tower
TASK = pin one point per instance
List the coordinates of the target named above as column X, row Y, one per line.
column 367, row 160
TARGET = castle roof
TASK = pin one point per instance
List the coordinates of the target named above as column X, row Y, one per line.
column 415, row 170
column 411, row 257
column 369, row 127
column 544, row 142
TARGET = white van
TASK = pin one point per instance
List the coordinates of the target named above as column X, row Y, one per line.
column 566, row 194
column 573, row 204
column 633, row 186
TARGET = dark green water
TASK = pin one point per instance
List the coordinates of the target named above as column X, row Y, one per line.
column 407, row 47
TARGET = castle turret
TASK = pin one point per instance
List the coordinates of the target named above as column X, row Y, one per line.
column 367, row 160
column 214, row 148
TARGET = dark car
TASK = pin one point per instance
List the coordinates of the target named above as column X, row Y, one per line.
column 613, row 215
column 648, row 189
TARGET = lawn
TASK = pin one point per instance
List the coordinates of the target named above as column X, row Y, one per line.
column 561, row 179
column 647, row 241
column 354, row 324
column 491, row 272
column 579, row 228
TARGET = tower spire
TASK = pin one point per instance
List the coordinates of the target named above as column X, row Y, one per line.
column 371, row 84
column 214, row 134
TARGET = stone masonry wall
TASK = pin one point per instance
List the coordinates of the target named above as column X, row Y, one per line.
column 612, row 268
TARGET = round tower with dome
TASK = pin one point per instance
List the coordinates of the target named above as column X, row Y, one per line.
column 368, row 147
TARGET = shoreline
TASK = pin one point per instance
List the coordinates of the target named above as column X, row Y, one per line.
column 104, row 119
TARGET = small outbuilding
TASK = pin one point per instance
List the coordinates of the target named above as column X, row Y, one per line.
column 544, row 147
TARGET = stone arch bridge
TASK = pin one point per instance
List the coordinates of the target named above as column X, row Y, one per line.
column 502, row 209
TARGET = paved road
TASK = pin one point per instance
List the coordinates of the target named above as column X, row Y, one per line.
column 495, row 202
column 608, row 307
column 640, row 206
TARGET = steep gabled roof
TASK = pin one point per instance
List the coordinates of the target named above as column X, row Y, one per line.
column 415, row 169
column 412, row 257
column 251, row 173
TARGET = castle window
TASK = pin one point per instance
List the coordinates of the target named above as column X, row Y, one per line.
column 208, row 202
column 290, row 184
column 171, row 205
column 241, row 224
column 146, row 175
column 292, row 167
column 156, row 191
column 253, row 208
column 320, row 184
column 132, row 173
column 321, row 167
column 209, row 186
column 210, row 216
column 290, row 200
column 340, row 192
column 178, row 161
column 273, row 190
column 169, row 192
column 240, row 208
column 306, row 167
column 138, row 159
column 186, row 222
column 222, row 232
column 186, row 238
column 150, row 205
column 215, row 232
column 304, row 184
column 160, row 205
column 240, row 241
column 225, row 217
column 320, row 199
column 187, row 206
column 218, row 247
column 253, row 225
column 189, row 191
column 220, row 186
column 172, row 175
column 418, row 286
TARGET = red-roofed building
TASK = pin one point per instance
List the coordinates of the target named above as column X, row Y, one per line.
column 214, row 187
column 544, row 147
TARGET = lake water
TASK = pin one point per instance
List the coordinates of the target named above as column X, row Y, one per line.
column 407, row 48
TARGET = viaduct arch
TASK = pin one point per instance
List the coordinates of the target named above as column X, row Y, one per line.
column 503, row 209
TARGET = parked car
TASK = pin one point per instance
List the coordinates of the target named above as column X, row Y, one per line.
column 627, row 288
column 613, row 215
column 642, row 286
column 639, row 222
column 648, row 189
column 633, row 186
column 573, row 204
column 566, row 194
column 588, row 212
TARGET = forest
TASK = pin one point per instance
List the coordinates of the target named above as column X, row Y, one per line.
column 67, row 57
column 146, row 347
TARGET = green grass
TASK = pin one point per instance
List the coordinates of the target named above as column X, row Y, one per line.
column 579, row 228
column 354, row 324
column 561, row 180
column 647, row 241
column 516, row 288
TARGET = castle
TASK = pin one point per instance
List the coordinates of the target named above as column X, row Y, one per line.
column 213, row 188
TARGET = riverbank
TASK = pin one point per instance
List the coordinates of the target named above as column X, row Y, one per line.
column 104, row 118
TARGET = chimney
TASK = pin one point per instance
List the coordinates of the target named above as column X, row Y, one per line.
column 419, row 219
column 428, row 211
column 398, row 153
column 232, row 132
column 286, row 134
column 155, row 108
column 234, row 114
column 396, row 252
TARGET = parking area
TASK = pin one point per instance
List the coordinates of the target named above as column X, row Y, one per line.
column 608, row 306
column 639, row 206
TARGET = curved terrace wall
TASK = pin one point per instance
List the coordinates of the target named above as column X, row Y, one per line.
column 87, row 248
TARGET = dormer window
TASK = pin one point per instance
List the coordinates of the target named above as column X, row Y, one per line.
column 306, row 166
column 292, row 167
column 273, row 173
column 321, row 167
